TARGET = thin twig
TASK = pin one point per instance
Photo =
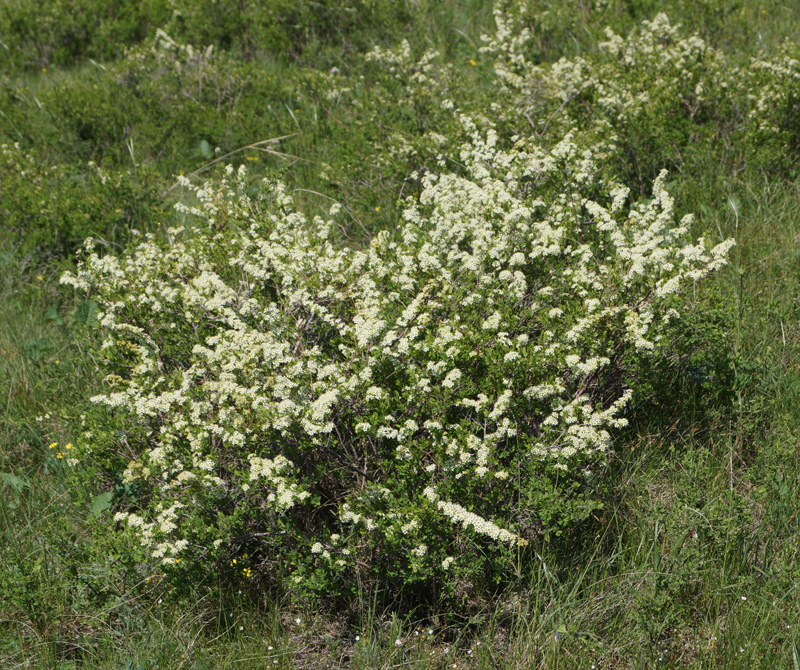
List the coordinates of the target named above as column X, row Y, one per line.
column 256, row 145
column 346, row 209
column 563, row 104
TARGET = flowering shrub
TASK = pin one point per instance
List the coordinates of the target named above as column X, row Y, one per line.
column 641, row 100
column 174, row 74
column 774, row 128
column 645, row 100
column 387, row 410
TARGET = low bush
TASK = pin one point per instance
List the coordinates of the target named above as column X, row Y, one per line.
column 54, row 32
column 650, row 99
column 330, row 415
column 58, row 33
column 51, row 209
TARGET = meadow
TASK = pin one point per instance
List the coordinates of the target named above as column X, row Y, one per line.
column 384, row 334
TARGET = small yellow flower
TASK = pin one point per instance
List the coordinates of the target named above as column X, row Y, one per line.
column 472, row 62
column 59, row 455
column 378, row 208
column 53, row 445
column 68, row 445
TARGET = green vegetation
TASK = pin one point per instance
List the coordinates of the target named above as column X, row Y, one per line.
column 437, row 136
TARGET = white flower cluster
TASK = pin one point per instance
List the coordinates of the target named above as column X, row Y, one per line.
column 284, row 494
column 467, row 519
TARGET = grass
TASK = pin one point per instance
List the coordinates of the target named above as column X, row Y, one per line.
column 693, row 561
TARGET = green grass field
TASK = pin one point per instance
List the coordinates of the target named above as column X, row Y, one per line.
column 690, row 559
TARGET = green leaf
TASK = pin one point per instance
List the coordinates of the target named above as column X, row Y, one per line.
column 102, row 502
column 206, row 150
column 53, row 315
column 15, row 482
column 34, row 348
column 87, row 312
